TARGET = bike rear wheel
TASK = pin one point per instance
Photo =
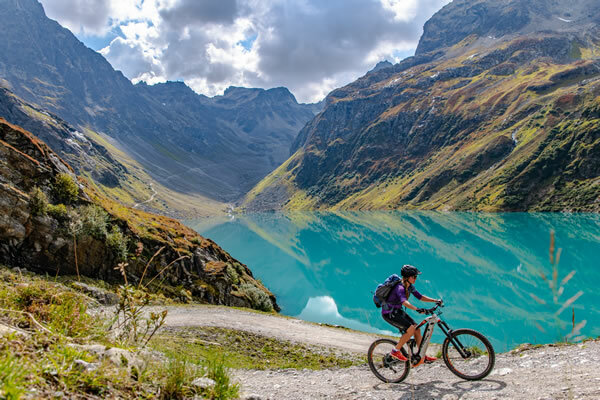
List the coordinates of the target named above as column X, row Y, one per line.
column 468, row 354
column 383, row 365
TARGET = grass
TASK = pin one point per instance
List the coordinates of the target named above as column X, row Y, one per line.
column 47, row 356
column 246, row 350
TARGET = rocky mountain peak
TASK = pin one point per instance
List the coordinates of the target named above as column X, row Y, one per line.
column 381, row 65
column 493, row 19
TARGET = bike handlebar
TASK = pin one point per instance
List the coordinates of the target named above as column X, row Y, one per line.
column 429, row 311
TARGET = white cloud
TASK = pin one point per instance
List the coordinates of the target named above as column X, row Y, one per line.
column 309, row 46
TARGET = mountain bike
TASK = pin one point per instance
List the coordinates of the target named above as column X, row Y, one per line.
column 467, row 353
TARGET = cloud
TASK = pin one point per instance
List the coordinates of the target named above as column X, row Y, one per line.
column 309, row 46
column 331, row 42
column 199, row 12
column 136, row 63
column 81, row 16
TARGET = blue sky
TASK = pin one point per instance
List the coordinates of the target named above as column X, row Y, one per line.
column 308, row 46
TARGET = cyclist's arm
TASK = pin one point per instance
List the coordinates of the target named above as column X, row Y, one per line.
column 408, row 305
column 427, row 299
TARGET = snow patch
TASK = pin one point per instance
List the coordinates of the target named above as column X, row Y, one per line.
column 564, row 20
column 79, row 136
column 73, row 143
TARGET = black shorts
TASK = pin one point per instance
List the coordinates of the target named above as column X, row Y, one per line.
column 400, row 319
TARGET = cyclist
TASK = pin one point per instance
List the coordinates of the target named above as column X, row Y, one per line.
column 394, row 314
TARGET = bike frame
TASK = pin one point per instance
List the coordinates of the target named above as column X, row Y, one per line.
column 430, row 323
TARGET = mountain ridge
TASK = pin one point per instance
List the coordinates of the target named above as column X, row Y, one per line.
column 485, row 124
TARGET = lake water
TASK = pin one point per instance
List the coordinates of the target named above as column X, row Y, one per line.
column 488, row 268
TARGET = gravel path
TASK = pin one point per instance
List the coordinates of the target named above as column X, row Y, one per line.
column 549, row 372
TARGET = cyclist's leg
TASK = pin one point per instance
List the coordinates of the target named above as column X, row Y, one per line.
column 401, row 320
column 406, row 337
column 418, row 336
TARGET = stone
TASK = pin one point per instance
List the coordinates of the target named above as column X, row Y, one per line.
column 104, row 297
column 86, row 366
column 203, row 382
column 6, row 330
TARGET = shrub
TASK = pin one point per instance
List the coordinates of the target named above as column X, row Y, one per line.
column 217, row 371
column 38, row 202
column 58, row 212
column 179, row 373
column 65, row 189
column 93, row 221
column 258, row 299
column 117, row 243
column 232, row 274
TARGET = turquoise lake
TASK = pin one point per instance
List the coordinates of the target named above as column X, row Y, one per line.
column 488, row 268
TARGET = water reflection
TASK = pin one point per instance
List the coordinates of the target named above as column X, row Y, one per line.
column 323, row 309
column 487, row 267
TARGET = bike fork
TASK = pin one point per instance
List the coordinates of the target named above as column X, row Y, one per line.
column 457, row 344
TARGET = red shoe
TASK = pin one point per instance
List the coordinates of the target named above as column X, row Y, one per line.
column 430, row 359
column 397, row 354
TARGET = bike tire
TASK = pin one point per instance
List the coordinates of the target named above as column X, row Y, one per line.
column 480, row 359
column 380, row 362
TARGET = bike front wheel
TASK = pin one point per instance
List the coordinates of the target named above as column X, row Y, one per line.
column 383, row 365
column 468, row 354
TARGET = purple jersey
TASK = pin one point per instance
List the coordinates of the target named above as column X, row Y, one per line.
column 398, row 296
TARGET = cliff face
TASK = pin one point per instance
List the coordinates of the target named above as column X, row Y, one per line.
column 472, row 122
column 50, row 225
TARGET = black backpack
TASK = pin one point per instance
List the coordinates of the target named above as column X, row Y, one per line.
column 384, row 289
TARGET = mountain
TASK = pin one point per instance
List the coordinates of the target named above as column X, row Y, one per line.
column 497, row 110
column 53, row 222
column 98, row 158
column 85, row 156
column 191, row 145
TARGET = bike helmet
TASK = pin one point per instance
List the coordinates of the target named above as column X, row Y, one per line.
column 408, row 271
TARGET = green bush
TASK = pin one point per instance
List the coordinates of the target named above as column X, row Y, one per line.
column 117, row 242
column 59, row 212
column 232, row 274
column 38, row 202
column 93, row 221
column 65, row 189
column 258, row 299
column 179, row 375
column 216, row 370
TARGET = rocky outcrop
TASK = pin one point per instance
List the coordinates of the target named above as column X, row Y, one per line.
column 83, row 154
column 94, row 236
column 464, row 19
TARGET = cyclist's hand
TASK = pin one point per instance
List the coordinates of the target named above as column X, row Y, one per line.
column 439, row 302
column 420, row 310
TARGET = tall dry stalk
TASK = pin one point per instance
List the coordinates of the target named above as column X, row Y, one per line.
column 557, row 288
column 76, row 263
column 164, row 269
column 148, row 264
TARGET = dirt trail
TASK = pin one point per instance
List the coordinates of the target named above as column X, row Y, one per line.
column 276, row 326
column 549, row 372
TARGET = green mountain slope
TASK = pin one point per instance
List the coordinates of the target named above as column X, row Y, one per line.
column 487, row 116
